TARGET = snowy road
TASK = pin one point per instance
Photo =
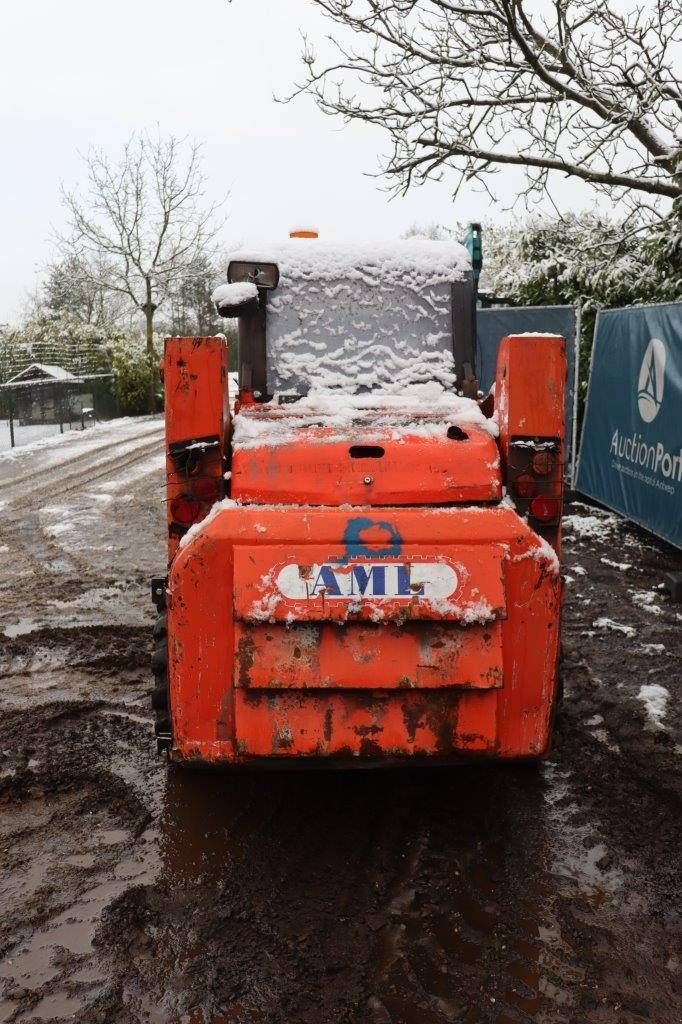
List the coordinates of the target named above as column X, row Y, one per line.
column 25, row 435
column 131, row 892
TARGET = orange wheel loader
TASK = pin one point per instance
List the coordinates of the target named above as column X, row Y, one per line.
column 363, row 557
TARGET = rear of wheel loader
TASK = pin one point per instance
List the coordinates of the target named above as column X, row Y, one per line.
column 380, row 589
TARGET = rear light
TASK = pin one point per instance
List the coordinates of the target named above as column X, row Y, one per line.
column 535, row 481
column 545, row 508
column 185, row 511
column 195, row 481
column 206, row 488
column 543, row 463
column 525, row 486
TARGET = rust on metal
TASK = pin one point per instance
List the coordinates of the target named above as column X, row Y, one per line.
column 408, row 625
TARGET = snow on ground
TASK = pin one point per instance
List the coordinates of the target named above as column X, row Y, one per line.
column 79, row 439
column 646, row 600
column 26, row 435
column 590, row 527
column 616, row 627
column 109, row 603
column 129, row 476
column 655, row 700
column 623, row 566
column 21, row 628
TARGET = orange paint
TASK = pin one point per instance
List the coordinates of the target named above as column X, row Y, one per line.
column 317, row 620
column 197, row 413
column 431, row 471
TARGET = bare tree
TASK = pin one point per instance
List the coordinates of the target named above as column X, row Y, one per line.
column 144, row 220
column 76, row 288
column 579, row 87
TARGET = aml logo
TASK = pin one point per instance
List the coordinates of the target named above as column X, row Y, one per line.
column 651, row 380
column 376, row 580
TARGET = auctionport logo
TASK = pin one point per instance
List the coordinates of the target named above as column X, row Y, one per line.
column 635, row 455
column 651, row 380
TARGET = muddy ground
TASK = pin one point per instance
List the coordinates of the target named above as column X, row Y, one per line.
column 134, row 892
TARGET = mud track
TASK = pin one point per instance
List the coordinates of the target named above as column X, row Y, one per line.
column 134, row 892
column 86, row 467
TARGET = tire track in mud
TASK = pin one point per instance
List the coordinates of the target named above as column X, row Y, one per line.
column 445, row 952
column 58, row 475
column 33, row 550
column 406, row 898
column 488, row 924
column 94, row 647
column 55, row 878
column 277, row 874
column 476, row 896
column 300, row 894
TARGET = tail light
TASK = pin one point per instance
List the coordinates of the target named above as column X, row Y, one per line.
column 545, row 509
column 543, row 463
column 207, row 488
column 535, row 480
column 198, row 479
column 526, row 487
column 185, row 511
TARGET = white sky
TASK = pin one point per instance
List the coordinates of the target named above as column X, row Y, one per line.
column 77, row 72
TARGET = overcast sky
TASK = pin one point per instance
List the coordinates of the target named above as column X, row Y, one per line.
column 76, row 72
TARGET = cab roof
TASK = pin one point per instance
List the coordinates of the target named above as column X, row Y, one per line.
column 310, row 259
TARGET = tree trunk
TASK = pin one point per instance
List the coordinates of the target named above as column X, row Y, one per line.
column 149, row 309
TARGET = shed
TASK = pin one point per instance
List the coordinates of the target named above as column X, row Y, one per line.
column 42, row 393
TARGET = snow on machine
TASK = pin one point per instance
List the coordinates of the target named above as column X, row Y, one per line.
column 363, row 558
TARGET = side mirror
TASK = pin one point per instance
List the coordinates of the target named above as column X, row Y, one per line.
column 265, row 275
column 237, row 299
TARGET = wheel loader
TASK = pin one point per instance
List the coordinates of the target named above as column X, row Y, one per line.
column 363, row 550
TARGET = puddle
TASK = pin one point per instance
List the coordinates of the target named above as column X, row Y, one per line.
column 58, row 1005
column 56, row 890
column 7, row 1010
column 110, row 837
column 81, row 860
column 30, row 966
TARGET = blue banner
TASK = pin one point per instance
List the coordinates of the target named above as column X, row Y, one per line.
column 631, row 450
column 492, row 325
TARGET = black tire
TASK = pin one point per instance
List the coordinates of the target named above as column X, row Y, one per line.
column 160, row 696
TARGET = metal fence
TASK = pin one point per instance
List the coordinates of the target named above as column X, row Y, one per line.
column 35, row 408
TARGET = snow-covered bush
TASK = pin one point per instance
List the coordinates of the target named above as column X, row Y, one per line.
column 132, row 374
column 584, row 258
